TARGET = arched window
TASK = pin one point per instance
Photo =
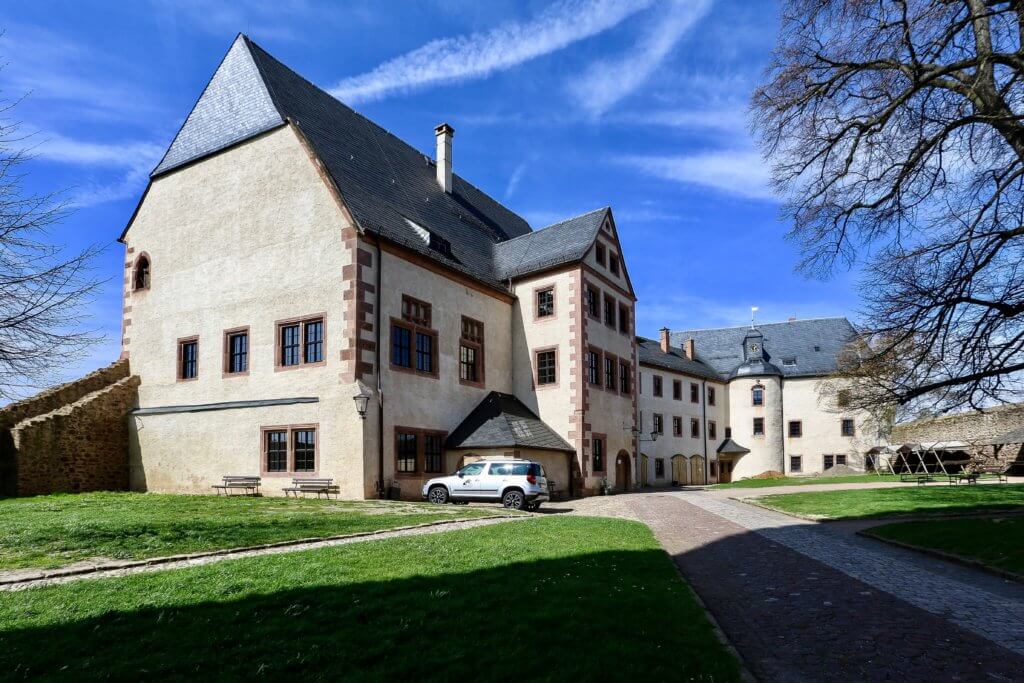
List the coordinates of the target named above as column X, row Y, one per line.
column 140, row 279
column 757, row 395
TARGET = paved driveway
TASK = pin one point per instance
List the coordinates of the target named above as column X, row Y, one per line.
column 804, row 601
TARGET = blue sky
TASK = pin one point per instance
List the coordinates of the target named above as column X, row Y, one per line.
column 559, row 107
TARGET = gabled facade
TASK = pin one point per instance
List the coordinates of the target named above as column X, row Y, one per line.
column 289, row 256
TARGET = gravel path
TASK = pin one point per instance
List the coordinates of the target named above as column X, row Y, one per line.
column 118, row 569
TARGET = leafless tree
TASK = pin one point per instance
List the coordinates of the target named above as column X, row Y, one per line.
column 895, row 133
column 43, row 290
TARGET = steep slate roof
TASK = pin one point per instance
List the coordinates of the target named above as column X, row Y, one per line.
column 389, row 186
column 814, row 344
column 650, row 353
column 554, row 245
column 502, row 421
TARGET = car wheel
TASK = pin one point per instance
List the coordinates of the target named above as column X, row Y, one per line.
column 514, row 500
column 438, row 494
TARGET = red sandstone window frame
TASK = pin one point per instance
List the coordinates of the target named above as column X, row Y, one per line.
column 610, row 372
column 226, row 356
column 180, row 360
column 599, row 254
column 613, row 263
column 625, row 387
column 136, row 265
column 476, row 343
column 290, row 430
column 537, row 291
column 536, row 367
column 609, row 310
column 624, row 318
column 602, row 439
column 421, row 451
column 301, row 321
column 592, row 301
column 417, row 318
column 594, row 371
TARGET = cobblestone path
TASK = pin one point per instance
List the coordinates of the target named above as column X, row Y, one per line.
column 804, row 602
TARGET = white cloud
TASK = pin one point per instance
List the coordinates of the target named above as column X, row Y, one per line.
column 606, row 82
column 130, row 161
column 738, row 172
column 517, row 176
column 731, row 119
column 479, row 54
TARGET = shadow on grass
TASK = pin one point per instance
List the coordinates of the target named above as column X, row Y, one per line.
column 595, row 616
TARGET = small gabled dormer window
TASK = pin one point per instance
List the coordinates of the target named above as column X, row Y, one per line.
column 140, row 278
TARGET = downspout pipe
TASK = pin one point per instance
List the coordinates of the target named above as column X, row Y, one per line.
column 704, row 412
column 380, row 382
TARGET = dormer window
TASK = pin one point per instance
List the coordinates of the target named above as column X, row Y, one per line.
column 789, row 362
column 757, row 395
column 140, row 278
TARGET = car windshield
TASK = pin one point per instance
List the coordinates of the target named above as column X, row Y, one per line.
column 471, row 469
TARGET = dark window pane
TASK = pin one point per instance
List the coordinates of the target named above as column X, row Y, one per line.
column 592, row 368
column 758, row 396
column 598, row 449
column 546, row 368
column 290, row 345
column 829, row 462
column 468, row 364
column 401, row 346
column 305, row 450
column 238, row 347
column 609, row 373
column 277, row 451
column 623, row 378
column 314, row 347
column 545, row 303
column 188, row 360
column 406, row 456
column 433, row 459
column 424, row 352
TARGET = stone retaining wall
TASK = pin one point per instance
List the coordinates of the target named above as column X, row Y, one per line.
column 62, row 395
column 81, row 445
column 972, row 427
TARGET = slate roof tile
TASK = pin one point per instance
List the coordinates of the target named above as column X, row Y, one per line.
column 503, row 421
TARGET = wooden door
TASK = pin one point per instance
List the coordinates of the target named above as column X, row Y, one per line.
column 622, row 472
column 643, row 470
column 680, row 470
column 697, row 470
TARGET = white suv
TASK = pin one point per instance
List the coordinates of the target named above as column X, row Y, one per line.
column 518, row 484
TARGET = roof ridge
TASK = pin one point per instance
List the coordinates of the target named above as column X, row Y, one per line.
column 366, row 119
column 759, row 325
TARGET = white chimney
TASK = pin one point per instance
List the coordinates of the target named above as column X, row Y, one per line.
column 444, row 134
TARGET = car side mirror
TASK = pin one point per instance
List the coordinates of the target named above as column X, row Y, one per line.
column 461, row 475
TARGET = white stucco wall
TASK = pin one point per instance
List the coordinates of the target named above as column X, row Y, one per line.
column 668, row 445
column 765, row 451
column 244, row 238
column 822, row 427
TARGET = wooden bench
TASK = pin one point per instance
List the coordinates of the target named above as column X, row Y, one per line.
column 969, row 477
column 998, row 472
column 306, row 485
column 250, row 485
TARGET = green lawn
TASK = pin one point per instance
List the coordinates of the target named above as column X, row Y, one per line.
column 53, row 531
column 930, row 500
column 802, row 481
column 556, row 598
column 993, row 541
